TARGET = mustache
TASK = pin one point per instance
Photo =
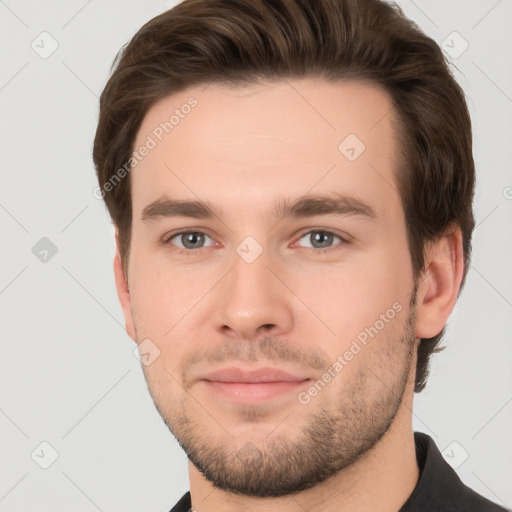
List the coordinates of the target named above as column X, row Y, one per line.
column 268, row 349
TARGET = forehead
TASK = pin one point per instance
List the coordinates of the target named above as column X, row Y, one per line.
column 253, row 143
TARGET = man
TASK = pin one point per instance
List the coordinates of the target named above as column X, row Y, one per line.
column 291, row 183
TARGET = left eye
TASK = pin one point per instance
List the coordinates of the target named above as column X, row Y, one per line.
column 320, row 239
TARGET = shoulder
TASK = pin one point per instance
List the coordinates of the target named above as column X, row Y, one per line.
column 184, row 505
column 439, row 488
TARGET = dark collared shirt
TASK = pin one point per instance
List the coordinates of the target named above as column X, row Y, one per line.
column 439, row 489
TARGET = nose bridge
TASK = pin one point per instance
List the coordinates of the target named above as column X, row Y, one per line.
column 250, row 277
column 252, row 298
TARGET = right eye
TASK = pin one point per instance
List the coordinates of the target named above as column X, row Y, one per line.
column 188, row 241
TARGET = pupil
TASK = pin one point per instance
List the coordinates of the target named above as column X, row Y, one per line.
column 324, row 239
column 192, row 239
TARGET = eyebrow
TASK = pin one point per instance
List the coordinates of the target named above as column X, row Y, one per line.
column 305, row 206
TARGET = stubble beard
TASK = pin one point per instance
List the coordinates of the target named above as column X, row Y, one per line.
column 329, row 440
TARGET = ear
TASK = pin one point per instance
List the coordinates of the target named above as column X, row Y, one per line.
column 440, row 283
column 123, row 292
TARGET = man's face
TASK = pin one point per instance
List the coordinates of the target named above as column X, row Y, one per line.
column 321, row 293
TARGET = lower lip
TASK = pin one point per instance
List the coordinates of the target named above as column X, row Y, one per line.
column 254, row 391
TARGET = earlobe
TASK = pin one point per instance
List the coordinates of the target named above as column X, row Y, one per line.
column 439, row 284
column 123, row 291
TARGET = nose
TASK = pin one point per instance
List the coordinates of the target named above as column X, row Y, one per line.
column 253, row 300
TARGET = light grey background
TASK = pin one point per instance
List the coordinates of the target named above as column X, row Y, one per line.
column 68, row 374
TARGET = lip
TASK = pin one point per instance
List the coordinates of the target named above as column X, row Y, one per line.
column 261, row 375
column 254, row 386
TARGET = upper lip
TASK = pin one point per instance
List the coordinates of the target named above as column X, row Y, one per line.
column 259, row 375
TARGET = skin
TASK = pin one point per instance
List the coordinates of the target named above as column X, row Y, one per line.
column 244, row 148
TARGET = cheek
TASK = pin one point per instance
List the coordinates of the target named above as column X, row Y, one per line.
column 162, row 293
column 342, row 301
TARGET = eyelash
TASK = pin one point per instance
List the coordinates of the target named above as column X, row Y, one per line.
column 190, row 252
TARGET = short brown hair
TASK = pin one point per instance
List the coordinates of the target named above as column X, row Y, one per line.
column 247, row 41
